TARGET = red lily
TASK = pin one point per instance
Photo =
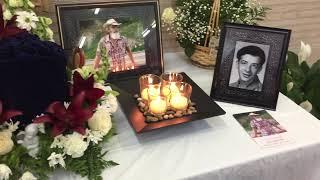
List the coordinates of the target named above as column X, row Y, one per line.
column 6, row 115
column 92, row 94
column 8, row 28
column 72, row 118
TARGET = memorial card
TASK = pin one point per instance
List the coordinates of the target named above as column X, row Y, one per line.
column 264, row 129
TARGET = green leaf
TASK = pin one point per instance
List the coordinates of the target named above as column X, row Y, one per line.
column 295, row 70
column 305, row 67
column 286, row 78
column 114, row 93
column 314, row 71
column 296, row 95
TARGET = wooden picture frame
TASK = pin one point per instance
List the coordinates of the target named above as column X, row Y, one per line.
column 254, row 81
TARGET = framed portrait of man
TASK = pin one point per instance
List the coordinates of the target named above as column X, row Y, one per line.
column 127, row 34
column 249, row 65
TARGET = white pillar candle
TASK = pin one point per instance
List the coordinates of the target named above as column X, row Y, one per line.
column 158, row 106
column 179, row 102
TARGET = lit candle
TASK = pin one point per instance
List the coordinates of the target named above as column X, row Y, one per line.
column 158, row 106
column 179, row 102
column 149, row 91
column 144, row 94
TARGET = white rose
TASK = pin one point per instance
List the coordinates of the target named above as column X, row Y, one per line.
column 304, row 53
column 306, row 105
column 5, row 172
column 7, row 15
column 74, row 145
column 27, row 176
column 6, row 143
column 15, row 3
column 101, row 121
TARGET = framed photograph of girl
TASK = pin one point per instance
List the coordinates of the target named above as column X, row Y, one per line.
column 249, row 65
column 126, row 33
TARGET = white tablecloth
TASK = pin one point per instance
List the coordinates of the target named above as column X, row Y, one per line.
column 217, row 148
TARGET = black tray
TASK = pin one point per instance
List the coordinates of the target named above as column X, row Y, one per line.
column 206, row 107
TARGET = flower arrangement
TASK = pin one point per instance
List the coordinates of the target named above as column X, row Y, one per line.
column 68, row 135
column 190, row 20
column 301, row 82
column 18, row 15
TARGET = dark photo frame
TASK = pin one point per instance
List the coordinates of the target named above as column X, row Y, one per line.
column 249, row 65
column 140, row 26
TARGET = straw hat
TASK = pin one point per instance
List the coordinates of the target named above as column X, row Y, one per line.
column 111, row 22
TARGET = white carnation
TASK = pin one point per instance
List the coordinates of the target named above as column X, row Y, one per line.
column 27, row 176
column 74, row 145
column 101, row 121
column 55, row 159
column 110, row 103
column 5, row 172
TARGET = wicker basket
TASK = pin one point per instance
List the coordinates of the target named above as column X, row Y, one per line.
column 205, row 56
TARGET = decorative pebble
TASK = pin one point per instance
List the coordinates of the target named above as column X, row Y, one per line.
column 136, row 96
column 140, row 99
column 192, row 108
column 142, row 105
column 166, row 116
column 193, row 104
column 171, row 116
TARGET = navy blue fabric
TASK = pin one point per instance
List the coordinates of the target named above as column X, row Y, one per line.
column 32, row 74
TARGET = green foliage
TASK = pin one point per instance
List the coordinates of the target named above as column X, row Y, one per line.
column 19, row 160
column 306, row 82
column 189, row 13
column 91, row 164
column 242, row 11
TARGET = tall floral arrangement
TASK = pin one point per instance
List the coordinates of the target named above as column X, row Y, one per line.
column 68, row 135
column 20, row 13
column 301, row 82
column 190, row 19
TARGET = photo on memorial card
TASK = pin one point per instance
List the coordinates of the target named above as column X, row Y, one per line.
column 249, row 65
column 259, row 124
column 124, row 35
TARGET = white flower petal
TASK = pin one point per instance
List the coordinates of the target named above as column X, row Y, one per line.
column 289, row 86
column 306, row 105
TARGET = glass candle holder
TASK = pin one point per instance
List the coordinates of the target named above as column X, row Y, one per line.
column 158, row 104
column 146, row 82
column 169, row 82
column 179, row 100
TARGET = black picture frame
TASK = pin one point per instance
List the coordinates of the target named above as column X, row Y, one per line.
column 277, row 41
column 69, row 16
